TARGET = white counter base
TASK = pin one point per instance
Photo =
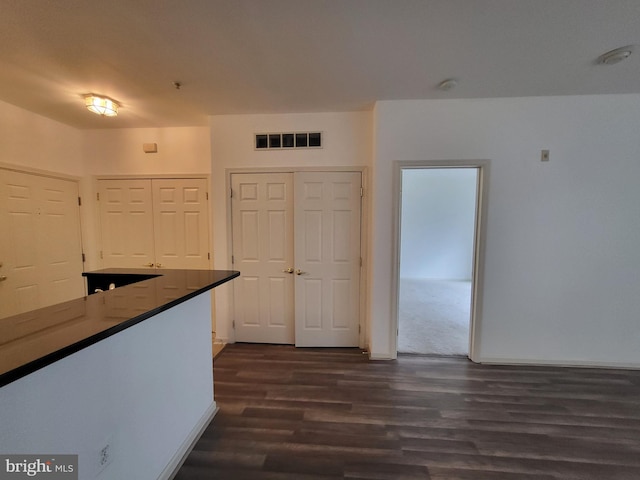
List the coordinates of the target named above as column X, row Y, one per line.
column 146, row 391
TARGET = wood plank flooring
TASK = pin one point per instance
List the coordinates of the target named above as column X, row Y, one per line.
column 301, row 414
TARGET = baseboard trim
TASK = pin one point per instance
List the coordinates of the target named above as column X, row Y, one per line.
column 174, row 465
column 557, row 363
column 379, row 356
column 217, row 349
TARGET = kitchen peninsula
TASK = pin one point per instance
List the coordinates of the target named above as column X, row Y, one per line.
column 127, row 369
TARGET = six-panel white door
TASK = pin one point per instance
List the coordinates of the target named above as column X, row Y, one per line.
column 181, row 225
column 40, row 246
column 327, row 258
column 126, row 219
column 262, row 226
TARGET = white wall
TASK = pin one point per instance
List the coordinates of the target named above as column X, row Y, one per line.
column 438, row 219
column 181, row 150
column 347, row 142
column 36, row 142
column 562, row 257
column 560, row 280
column 146, row 390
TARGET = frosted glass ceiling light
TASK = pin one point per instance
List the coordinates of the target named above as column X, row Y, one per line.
column 101, row 105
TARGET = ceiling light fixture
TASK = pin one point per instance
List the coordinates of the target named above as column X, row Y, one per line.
column 615, row 56
column 101, row 105
column 448, row 84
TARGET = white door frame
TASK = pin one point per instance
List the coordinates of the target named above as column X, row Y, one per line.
column 364, row 235
column 478, row 248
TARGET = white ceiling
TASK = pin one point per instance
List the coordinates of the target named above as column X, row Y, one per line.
column 277, row 56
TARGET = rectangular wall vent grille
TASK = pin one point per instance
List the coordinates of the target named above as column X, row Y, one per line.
column 284, row 141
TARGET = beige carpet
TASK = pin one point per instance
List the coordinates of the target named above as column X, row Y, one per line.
column 434, row 316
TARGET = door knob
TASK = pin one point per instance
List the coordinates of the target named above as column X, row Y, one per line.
column 288, row 270
column 300, row 272
column 150, row 265
column 2, row 278
column 158, row 265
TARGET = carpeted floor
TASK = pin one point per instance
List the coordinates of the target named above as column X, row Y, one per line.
column 434, row 316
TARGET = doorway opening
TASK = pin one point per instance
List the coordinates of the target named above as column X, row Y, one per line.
column 438, row 243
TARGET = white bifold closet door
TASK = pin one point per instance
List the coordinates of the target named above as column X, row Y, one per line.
column 296, row 242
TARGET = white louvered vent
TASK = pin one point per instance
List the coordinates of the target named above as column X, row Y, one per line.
column 285, row 141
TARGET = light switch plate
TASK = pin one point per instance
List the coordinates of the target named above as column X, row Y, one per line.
column 544, row 156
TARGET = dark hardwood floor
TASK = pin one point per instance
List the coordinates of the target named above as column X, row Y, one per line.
column 289, row 413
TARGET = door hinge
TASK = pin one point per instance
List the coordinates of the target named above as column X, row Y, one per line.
column 208, row 256
column 233, row 260
column 79, row 201
column 206, row 195
column 98, row 196
column 101, row 257
column 359, row 329
column 361, row 192
column 84, row 259
column 233, row 324
column 231, row 193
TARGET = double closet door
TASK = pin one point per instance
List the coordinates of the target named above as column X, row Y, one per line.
column 40, row 243
column 154, row 223
column 296, row 242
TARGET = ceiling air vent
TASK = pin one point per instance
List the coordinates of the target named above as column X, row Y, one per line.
column 284, row 141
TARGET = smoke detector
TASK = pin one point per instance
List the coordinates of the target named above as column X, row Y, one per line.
column 615, row 56
column 448, row 84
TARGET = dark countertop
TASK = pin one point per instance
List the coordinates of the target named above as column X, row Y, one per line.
column 32, row 340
